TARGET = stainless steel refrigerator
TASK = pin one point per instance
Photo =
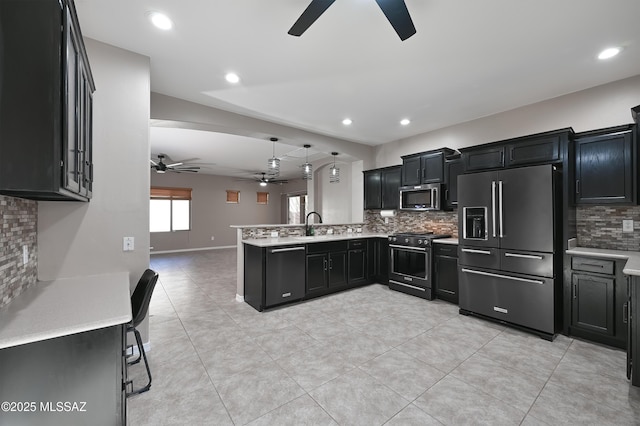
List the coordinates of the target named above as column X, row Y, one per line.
column 510, row 257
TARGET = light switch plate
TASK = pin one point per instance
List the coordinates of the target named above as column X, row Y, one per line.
column 627, row 225
column 127, row 244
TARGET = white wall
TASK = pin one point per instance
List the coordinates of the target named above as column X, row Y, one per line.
column 602, row 106
column 76, row 238
column 211, row 215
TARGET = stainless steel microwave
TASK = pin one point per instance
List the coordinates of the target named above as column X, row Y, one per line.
column 420, row 197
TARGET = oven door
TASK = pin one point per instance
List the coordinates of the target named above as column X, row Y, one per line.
column 409, row 264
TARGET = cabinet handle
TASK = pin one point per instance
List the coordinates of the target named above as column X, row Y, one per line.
column 505, row 277
column 625, row 312
column 325, row 264
column 577, row 186
column 465, row 250
column 595, row 265
column 523, row 256
column 446, row 194
column 330, row 264
column 575, row 290
column 287, row 249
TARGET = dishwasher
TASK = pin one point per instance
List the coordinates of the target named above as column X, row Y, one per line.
column 285, row 274
column 274, row 275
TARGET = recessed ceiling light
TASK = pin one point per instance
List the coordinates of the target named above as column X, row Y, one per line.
column 160, row 20
column 609, row 53
column 232, row 77
column 405, row 121
column 347, row 121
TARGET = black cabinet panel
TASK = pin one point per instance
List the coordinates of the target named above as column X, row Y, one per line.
column 382, row 188
column 545, row 150
column 373, row 189
column 357, row 266
column 593, row 304
column 391, row 188
column 317, row 272
column 337, row 269
column 432, row 167
column 483, row 158
column 446, row 272
column 605, row 167
column 45, row 113
column 452, row 169
column 411, row 170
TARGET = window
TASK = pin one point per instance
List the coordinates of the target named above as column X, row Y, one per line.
column 233, row 196
column 296, row 206
column 263, row 198
column 170, row 209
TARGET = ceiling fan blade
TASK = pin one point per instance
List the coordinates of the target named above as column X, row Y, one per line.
column 185, row 168
column 153, row 162
column 398, row 15
column 309, row 16
column 175, row 164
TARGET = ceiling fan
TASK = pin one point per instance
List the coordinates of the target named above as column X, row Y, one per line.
column 395, row 10
column 161, row 167
column 264, row 179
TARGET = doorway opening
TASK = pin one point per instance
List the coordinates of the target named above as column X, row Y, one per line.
column 296, row 208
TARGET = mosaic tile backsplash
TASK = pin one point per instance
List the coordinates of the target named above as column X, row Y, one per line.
column 18, row 220
column 438, row 222
column 601, row 227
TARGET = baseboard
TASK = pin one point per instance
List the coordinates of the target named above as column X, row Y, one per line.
column 239, row 298
column 192, row 249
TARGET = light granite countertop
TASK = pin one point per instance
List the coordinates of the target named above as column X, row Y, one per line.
column 65, row 306
column 632, row 267
column 282, row 241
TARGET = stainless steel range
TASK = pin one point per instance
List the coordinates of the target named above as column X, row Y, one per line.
column 410, row 263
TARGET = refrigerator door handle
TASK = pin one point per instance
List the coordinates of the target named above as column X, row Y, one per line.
column 501, row 209
column 493, row 207
column 465, row 250
column 506, row 277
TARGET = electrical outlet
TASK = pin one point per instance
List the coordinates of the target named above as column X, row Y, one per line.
column 127, row 244
column 330, row 231
column 627, row 225
column 349, row 230
column 358, row 230
column 274, row 234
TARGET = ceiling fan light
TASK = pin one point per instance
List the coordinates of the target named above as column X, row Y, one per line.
column 263, row 183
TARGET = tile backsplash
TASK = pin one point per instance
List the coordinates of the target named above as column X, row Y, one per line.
column 18, row 222
column 601, row 227
column 438, row 222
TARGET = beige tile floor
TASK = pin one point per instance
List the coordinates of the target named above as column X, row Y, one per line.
column 368, row 356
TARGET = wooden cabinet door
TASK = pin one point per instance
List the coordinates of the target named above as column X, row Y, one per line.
column 536, row 151
column 483, row 159
column 411, row 171
column 373, row 189
column 446, row 278
column 391, row 188
column 317, row 272
column 71, row 135
column 357, row 266
column 337, row 269
column 593, row 303
column 432, row 167
column 452, row 169
column 605, row 169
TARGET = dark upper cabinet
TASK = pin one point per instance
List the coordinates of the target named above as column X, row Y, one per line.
column 411, row 170
column 541, row 148
column 382, row 188
column 537, row 150
column 606, row 166
column 373, row 189
column 425, row 167
column 483, row 158
column 45, row 102
column 452, row 169
column 635, row 113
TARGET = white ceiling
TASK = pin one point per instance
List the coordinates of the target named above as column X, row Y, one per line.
column 469, row 59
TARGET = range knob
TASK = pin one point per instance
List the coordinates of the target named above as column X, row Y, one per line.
column 419, row 242
column 390, row 238
column 406, row 240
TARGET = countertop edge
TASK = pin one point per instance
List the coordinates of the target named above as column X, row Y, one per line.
column 295, row 225
column 281, row 241
column 632, row 267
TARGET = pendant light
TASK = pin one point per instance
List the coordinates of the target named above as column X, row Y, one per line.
column 273, row 166
column 307, row 168
column 334, row 172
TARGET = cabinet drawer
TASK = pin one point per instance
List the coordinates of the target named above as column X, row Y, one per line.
column 590, row 264
column 357, row 244
column 445, row 250
column 326, row 247
column 480, row 257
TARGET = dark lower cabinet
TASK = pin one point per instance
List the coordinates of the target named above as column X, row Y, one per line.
column 633, row 330
column 273, row 275
column 357, row 263
column 598, row 297
column 378, row 260
column 446, row 272
column 69, row 380
column 326, row 266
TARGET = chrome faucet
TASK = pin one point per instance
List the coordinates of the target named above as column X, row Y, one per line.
column 308, row 230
